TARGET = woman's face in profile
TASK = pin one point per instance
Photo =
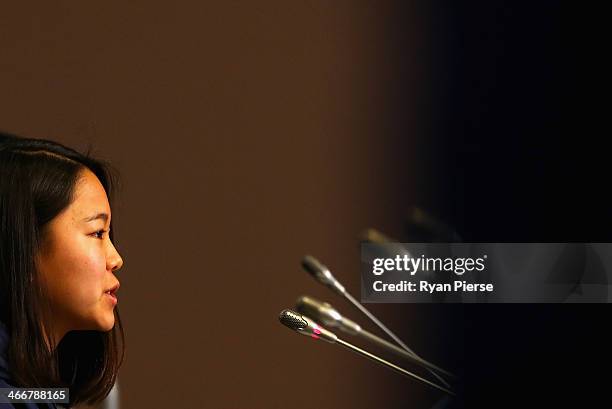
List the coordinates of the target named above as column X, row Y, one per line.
column 77, row 261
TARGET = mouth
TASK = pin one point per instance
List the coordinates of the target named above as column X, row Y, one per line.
column 112, row 293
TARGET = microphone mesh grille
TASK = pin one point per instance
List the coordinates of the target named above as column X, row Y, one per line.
column 292, row 320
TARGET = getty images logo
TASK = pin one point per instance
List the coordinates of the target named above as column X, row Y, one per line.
column 459, row 265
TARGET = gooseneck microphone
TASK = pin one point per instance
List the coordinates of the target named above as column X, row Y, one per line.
column 308, row 327
column 327, row 315
column 323, row 275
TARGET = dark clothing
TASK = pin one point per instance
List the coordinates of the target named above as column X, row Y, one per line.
column 5, row 379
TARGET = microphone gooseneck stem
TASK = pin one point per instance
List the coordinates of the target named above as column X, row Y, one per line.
column 388, row 364
column 401, row 352
column 387, row 331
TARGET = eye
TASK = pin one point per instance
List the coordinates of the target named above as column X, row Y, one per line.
column 99, row 234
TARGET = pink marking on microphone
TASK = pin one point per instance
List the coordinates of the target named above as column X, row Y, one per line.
column 316, row 331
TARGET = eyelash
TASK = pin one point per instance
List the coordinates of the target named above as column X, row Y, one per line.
column 99, row 233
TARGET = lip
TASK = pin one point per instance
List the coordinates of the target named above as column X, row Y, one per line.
column 111, row 297
column 114, row 288
column 112, row 293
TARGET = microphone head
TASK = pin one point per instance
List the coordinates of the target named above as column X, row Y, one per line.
column 313, row 266
column 321, row 273
column 371, row 235
column 383, row 246
column 292, row 320
column 326, row 314
column 320, row 311
column 305, row 326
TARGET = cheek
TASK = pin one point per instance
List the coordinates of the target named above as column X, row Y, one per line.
column 75, row 274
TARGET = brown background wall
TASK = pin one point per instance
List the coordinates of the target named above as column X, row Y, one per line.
column 247, row 134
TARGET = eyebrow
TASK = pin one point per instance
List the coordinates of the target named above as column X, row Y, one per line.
column 101, row 216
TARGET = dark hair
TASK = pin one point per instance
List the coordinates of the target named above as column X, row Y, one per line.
column 37, row 181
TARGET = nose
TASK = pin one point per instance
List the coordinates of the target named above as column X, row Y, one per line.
column 114, row 261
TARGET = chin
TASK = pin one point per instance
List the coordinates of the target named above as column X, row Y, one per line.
column 106, row 324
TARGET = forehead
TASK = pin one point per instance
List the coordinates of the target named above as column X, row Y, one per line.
column 89, row 196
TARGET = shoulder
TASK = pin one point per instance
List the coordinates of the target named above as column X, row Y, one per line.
column 5, row 380
column 5, row 384
column 4, row 341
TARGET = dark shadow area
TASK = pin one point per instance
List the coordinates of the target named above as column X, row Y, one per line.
column 515, row 153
